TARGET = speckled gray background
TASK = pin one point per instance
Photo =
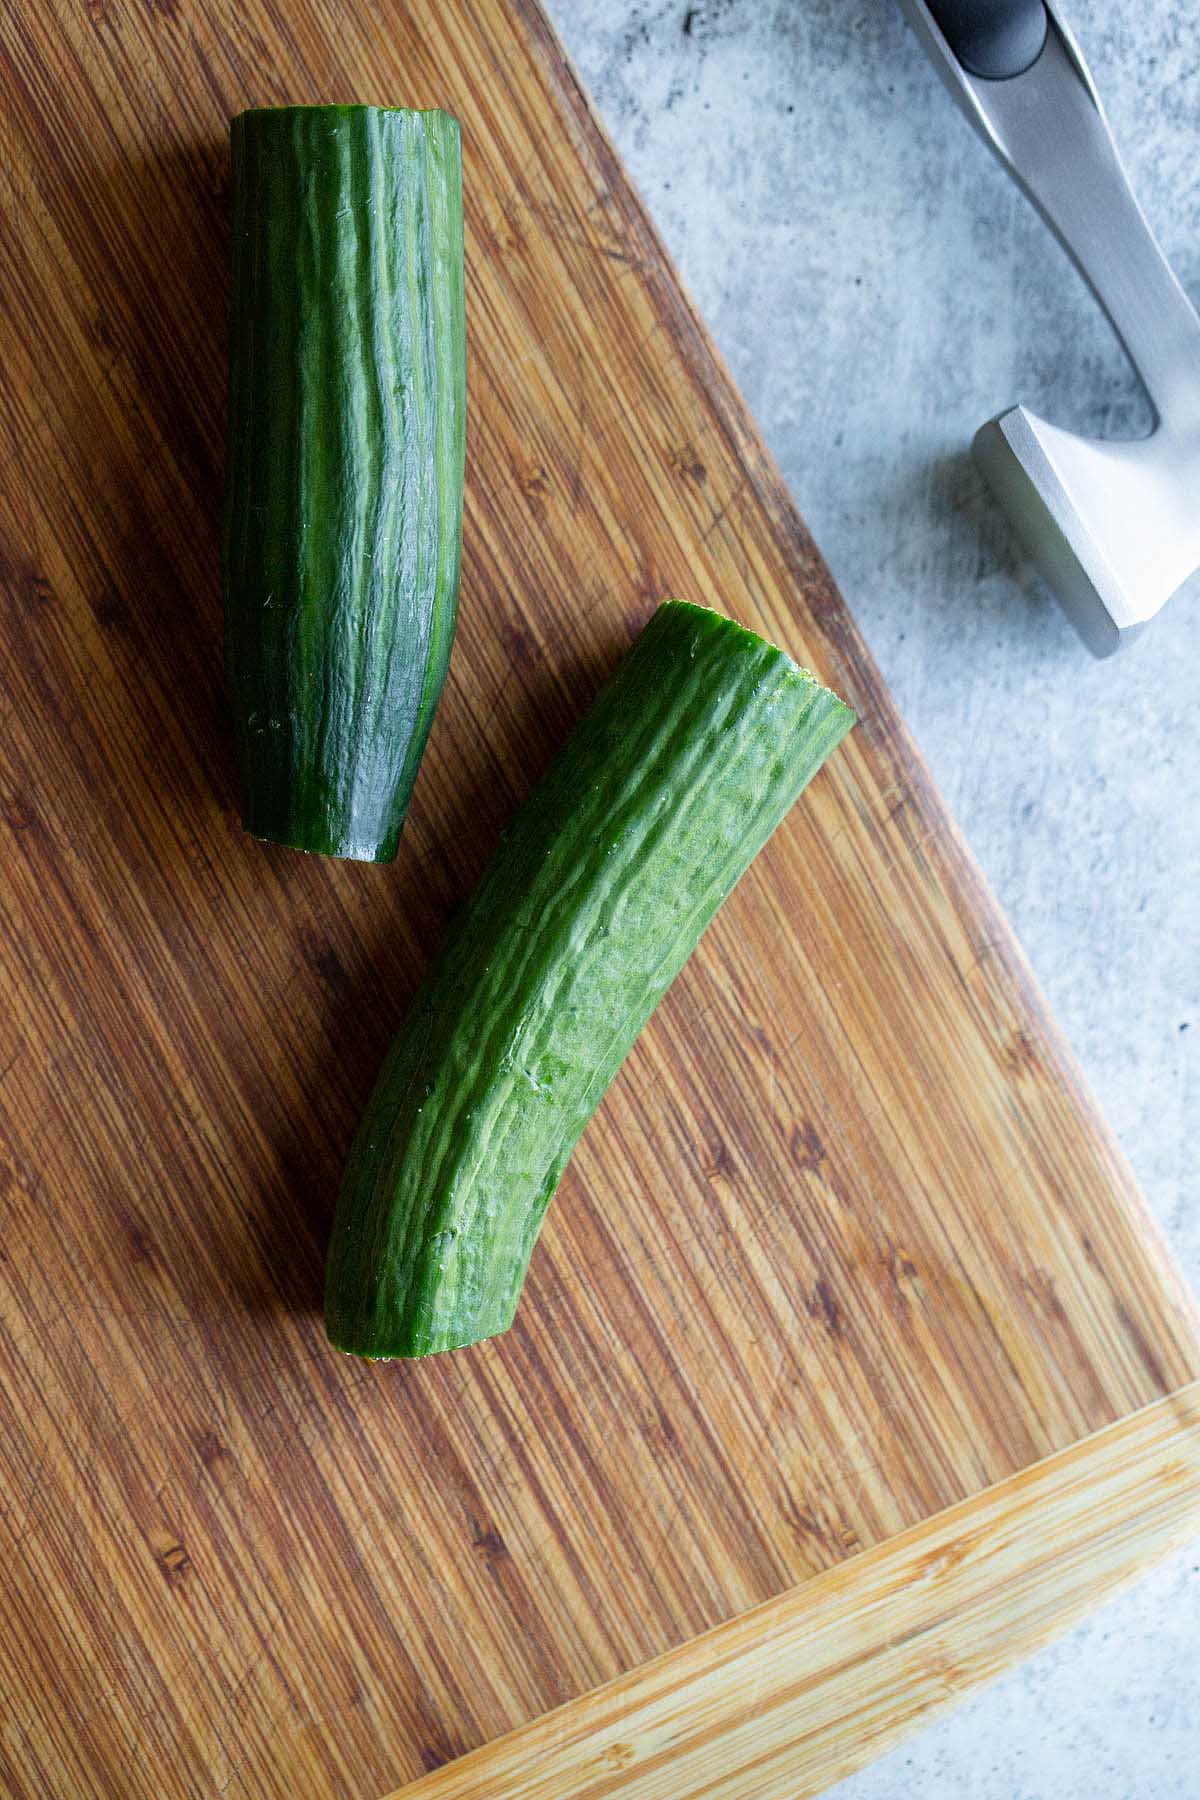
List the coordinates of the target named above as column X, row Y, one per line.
column 880, row 289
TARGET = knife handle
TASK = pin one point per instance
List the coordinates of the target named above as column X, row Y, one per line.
column 1046, row 124
column 995, row 39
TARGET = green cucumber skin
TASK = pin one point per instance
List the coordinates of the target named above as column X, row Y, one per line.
column 347, row 420
column 594, row 900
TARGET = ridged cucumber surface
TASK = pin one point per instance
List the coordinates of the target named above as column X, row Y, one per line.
column 597, row 895
column 347, row 419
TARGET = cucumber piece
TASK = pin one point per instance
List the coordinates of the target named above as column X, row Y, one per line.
column 347, row 418
column 594, row 900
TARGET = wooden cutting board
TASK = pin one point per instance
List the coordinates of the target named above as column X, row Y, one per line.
column 847, row 1311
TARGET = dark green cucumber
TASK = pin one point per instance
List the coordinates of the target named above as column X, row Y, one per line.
column 595, row 899
column 347, row 417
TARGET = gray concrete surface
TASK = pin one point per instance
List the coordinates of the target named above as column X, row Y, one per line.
column 879, row 289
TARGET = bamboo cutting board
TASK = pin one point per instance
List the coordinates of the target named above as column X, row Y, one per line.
column 848, row 1367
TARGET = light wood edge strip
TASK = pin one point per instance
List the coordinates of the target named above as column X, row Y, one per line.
column 790, row 1697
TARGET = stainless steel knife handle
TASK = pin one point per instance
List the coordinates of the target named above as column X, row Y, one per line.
column 1044, row 120
column 993, row 38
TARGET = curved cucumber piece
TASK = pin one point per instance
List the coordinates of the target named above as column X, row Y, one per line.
column 595, row 899
column 347, row 416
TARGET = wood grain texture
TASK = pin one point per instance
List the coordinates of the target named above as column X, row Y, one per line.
column 846, row 1243
column 800, row 1692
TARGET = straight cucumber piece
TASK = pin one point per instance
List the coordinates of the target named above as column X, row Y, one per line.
column 592, row 904
column 347, row 419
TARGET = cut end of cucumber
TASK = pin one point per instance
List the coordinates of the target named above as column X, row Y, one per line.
column 335, row 111
column 345, row 849
column 372, row 1327
column 720, row 623
column 408, row 1349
